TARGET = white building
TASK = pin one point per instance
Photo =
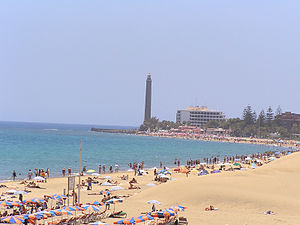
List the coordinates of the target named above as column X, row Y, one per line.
column 198, row 116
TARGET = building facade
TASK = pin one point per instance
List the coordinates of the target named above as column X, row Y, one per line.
column 147, row 115
column 289, row 118
column 198, row 116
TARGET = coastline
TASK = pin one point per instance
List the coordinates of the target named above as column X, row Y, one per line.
column 229, row 139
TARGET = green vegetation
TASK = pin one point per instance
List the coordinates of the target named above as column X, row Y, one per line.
column 154, row 124
column 265, row 125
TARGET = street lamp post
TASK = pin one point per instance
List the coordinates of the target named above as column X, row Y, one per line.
column 79, row 173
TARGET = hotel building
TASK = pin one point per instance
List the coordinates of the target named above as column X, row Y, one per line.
column 198, row 116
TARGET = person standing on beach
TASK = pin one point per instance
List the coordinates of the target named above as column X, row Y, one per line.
column 103, row 168
column 110, row 169
column 14, row 174
column 63, row 172
column 29, row 175
column 100, row 169
column 48, row 172
column 20, row 197
column 160, row 164
column 69, row 171
column 116, row 168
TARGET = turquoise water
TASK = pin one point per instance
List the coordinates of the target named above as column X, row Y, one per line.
column 25, row 146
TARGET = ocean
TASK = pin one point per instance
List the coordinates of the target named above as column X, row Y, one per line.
column 25, row 146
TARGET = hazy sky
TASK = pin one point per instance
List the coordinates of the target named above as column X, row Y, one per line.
column 86, row 61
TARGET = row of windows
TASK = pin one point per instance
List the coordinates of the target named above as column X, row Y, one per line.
column 207, row 113
column 206, row 116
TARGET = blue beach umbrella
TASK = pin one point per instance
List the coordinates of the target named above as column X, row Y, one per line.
column 96, row 203
column 114, row 200
column 59, row 197
column 216, row 171
column 13, row 219
column 91, row 208
column 105, row 193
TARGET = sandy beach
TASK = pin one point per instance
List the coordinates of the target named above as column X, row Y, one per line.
column 240, row 196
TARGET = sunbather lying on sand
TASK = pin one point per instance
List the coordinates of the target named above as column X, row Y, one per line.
column 133, row 187
column 211, row 208
column 124, row 177
column 269, row 212
column 32, row 185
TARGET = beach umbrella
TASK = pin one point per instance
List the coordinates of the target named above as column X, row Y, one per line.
column 11, row 191
column 13, row 219
column 20, row 193
column 168, row 213
column 145, row 217
column 47, row 213
column 216, row 171
column 237, row 164
column 34, row 200
column 96, row 174
column 73, row 208
column 105, row 193
column 106, row 184
column 180, row 208
column 203, row 172
column 184, row 169
column 64, row 212
column 39, row 178
column 154, row 202
column 55, row 212
column 154, row 214
column 132, row 220
column 115, row 188
column 59, row 197
column 161, row 171
column 91, row 208
column 194, row 170
column 90, row 171
column 114, row 200
column 163, row 176
column 97, row 203
column 98, row 223
column 10, row 203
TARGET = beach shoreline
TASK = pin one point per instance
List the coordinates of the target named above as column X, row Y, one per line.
column 230, row 139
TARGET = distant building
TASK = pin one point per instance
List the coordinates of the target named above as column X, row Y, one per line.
column 289, row 118
column 198, row 116
column 148, row 98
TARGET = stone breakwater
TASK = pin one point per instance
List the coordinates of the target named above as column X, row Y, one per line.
column 115, row 131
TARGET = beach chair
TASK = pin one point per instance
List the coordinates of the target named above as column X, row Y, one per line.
column 119, row 214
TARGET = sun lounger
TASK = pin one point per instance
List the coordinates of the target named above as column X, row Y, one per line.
column 119, row 214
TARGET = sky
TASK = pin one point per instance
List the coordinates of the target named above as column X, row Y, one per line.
column 86, row 62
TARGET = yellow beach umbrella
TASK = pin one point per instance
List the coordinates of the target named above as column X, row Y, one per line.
column 90, row 171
